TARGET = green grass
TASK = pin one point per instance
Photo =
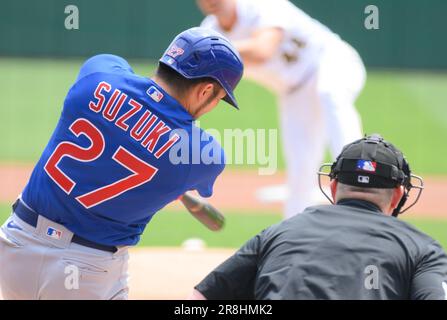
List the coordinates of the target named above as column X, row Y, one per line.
column 172, row 228
column 407, row 108
column 5, row 211
column 436, row 228
column 410, row 110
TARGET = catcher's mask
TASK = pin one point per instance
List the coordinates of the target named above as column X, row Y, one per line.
column 372, row 162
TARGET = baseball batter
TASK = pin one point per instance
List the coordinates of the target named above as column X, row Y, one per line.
column 315, row 74
column 107, row 169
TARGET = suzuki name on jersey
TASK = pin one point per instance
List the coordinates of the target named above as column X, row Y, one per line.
column 147, row 129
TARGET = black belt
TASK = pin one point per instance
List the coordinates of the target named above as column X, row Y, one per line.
column 31, row 217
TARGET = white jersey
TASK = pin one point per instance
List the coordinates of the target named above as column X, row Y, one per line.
column 300, row 51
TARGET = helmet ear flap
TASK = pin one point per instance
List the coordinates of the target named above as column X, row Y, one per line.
column 335, row 167
column 408, row 186
column 332, row 173
column 407, row 173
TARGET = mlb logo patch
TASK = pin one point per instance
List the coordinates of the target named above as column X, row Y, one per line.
column 155, row 94
column 366, row 165
column 175, row 51
column 54, row 233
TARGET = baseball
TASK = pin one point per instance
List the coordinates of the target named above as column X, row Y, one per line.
column 193, row 244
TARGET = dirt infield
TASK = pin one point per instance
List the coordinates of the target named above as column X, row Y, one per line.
column 170, row 273
column 237, row 190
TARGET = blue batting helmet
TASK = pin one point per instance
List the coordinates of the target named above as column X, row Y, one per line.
column 201, row 52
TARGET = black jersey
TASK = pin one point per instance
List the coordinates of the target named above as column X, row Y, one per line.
column 346, row 251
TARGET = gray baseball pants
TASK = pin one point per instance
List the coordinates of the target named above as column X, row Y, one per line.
column 35, row 266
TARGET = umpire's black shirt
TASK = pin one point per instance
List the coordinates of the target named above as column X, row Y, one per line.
column 346, row 251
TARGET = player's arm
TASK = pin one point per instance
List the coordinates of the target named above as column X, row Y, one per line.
column 203, row 178
column 234, row 278
column 261, row 46
column 269, row 31
column 430, row 279
column 203, row 175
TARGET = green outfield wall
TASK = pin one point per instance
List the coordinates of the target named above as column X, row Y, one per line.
column 411, row 34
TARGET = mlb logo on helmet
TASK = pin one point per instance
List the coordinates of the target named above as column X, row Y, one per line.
column 366, row 165
column 175, row 51
column 54, row 233
column 155, row 94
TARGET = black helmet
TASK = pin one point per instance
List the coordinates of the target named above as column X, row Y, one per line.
column 372, row 162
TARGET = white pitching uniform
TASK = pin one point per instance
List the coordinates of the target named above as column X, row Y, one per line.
column 317, row 77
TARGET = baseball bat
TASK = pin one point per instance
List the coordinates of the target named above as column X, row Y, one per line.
column 203, row 211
